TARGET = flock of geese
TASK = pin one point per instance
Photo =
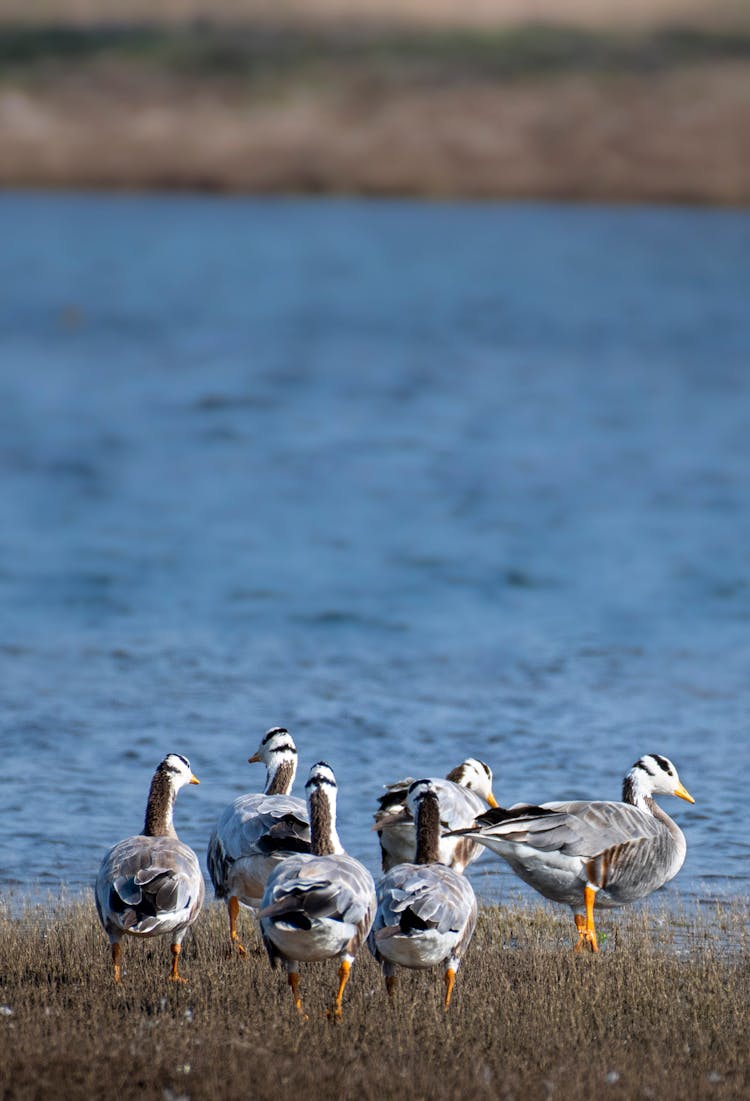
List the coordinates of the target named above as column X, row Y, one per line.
column 282, row 857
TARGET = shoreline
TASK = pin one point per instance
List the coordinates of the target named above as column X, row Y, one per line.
column 521, row 114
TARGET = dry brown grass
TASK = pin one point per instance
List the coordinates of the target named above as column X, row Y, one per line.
column 663, row 1011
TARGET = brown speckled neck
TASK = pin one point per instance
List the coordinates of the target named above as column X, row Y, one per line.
column 428, row 830
column 280, row 781
column 161, row 799
column 322, row 828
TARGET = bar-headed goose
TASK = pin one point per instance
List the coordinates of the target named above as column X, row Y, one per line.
column 462, row 795
column 318, row 906
column 426, row 912
column 151, row 884
column 581, row 852
column 255, row 832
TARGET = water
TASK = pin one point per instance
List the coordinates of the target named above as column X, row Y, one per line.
column 417, row 481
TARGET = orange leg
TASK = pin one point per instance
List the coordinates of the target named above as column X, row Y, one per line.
column 450, row 979
column 344, row 971
column 585, row 925
column 116, row 950
column 174, row 976
column 293, row 980
column 390, row 985
column 233, row 907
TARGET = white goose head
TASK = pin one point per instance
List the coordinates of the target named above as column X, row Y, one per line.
column 278, row 753
column 652, row 775
column 322, row 790
column 476, row 776
column 178, row 769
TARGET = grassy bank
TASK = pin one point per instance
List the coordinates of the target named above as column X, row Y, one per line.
column 517, row 112
column 663, row 1011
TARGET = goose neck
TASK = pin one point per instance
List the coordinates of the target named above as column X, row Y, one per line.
column 280, row 777
column 160, row 806
column 324, row 840
column 428, row 831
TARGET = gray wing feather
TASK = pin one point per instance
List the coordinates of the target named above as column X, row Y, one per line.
column 580, row 828
column 335, row 886
column 256, row 825
column 149, row 885
column 618, row 847
column 437, row 895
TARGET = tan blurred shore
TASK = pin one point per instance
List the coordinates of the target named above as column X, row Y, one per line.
column 492, row 108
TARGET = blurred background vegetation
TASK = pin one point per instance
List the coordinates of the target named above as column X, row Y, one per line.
column 573, row 99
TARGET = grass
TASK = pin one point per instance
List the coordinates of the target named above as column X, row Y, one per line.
column 663, row 1011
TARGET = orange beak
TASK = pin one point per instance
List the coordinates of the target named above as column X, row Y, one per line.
column 492, row 800
column 194, row 780
column 683, row 793
column 254, row 759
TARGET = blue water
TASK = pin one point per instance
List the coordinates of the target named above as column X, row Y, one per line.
column 418, row 481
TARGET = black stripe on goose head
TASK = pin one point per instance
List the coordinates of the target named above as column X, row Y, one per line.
column 663, row 763
column 272, row 733
column 321, row 774
column 168, row 766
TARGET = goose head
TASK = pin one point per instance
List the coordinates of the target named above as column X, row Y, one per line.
column 278, row 753
column 176, row 770
column 476, row 776
column 652, row 775
column 173, row 773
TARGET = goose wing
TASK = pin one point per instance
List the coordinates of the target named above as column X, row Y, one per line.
column 149, row 885
column 458, row 805
column 256, row 825
column 626, row 850
column 430, row 907
column 337, row 887
column 435, row 896
column 582, row 829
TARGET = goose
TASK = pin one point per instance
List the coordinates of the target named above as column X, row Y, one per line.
column 318, row 905
column 426, row 912
column 462, row 794
column 584, row 852
column 255, row 832
column 152, row 884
